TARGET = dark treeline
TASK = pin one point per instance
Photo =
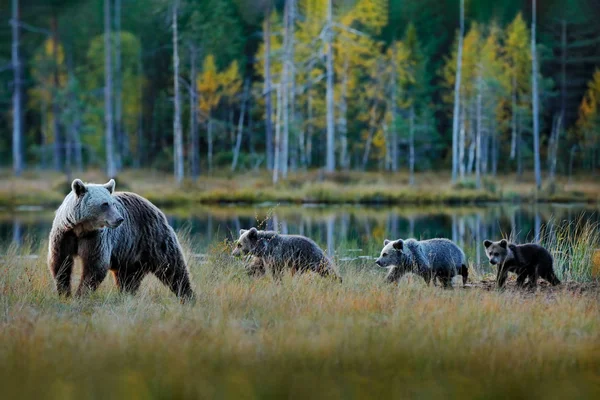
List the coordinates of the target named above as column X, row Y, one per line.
column 296, row 84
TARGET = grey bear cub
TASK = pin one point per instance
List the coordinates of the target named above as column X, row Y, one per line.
column 114, row 231
column 431, row 259
column 276, row 252
column 526, row 260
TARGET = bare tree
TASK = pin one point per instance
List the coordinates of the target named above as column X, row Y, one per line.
column 119, row 134
column 240, row 130
column 58, row 142
column 536, row 106
column 108, row 83
column 284, row 148
column 17, row 93
column 330, row 159
column 267, row 91
column 276, row 160
column 195, row 170
column 478, row 133
column 177, row 134
column 456, row 115
column 411, row 145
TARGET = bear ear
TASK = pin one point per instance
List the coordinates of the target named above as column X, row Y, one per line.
column 110, row 186
column 398, row 244
column 487, row 243
column 242, row 231
column 503, row 243
column 386, row 242
column 78, row 187
column 253, row 232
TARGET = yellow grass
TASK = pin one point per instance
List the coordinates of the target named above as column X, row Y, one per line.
column 44, row 188
column 305, row 337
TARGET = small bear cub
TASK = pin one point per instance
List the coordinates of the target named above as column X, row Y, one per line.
column 434, row 258
column 275, row 252
column 526, row 260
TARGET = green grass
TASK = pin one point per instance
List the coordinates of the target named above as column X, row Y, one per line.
column 303, row 337
column 48, row 189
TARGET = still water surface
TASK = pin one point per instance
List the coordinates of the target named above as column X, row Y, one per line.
column 347, row 232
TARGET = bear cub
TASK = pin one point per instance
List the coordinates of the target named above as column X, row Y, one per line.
column 431, row 259
column 276, row 252
column 526, row 260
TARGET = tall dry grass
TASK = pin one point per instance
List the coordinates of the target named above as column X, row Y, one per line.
column 304, row 337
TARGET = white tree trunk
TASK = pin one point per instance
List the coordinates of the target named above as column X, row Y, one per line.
column 240, row 130
column 513, row 142
column 285, row 91
column 330, row 158
column 108, row 82
column 267, row 91
column 177, row 133
column 461, row 145
column 478, row 133
column 411, row 150
column 342, row 118
column 456, row 116
column 119, row 134
column 536, row 112
column 394, row 134
column 195, row 170
column 17, row 150
column 276, row 161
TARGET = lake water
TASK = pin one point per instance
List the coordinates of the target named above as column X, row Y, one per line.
column 348, row 232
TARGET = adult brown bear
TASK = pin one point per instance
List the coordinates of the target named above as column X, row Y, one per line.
column 117, row 231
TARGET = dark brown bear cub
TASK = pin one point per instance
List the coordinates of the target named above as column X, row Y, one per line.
column 114, row 231
column 528, row 261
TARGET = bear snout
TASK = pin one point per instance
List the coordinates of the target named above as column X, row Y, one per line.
column 378, row 262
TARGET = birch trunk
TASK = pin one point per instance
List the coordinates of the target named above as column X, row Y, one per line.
column 58, row 143
column 478, row 133
column 276, row 160
column 536, row 106
column 461, row 145
column 267, row 92
column 121, row 145
column 17, row 150
column 393, row 133
column 411, row 150
column 108, row 82
column 455, row 121
column 195, row 170
column 209, row 152
column 285, row 92
column 513, row 142
column 330, row 158
column 240, row 130
column 177, row 133
column 342, row 118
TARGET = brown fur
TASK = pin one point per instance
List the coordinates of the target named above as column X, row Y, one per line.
column 141, row 243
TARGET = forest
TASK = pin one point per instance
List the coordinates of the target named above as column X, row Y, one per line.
column 191, row 87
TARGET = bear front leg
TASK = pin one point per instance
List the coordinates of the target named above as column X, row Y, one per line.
column 61, row 268
column 533, row 277
column 60, row 262
column 94, row 272
column 501, row 277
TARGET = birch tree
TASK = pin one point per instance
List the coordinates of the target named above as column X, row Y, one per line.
column 455, row 118
column 330, row 155
column 108, row 84
column 177, row 132
column 536, row 121
column 17, row 137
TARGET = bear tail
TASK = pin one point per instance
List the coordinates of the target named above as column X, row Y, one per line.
column 464, row 271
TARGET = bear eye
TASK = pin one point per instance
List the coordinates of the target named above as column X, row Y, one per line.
column 385, row 254
column 239, row 245
column 496, row 254
column 104, row 205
